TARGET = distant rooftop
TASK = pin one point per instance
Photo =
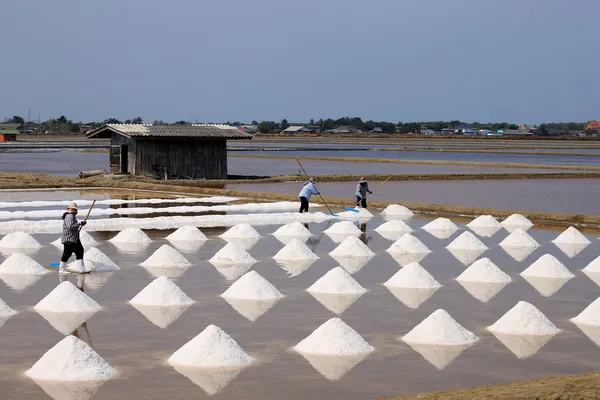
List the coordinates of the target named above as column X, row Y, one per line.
column 172, row 131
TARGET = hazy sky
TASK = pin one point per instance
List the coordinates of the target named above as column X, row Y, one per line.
column 397, row 60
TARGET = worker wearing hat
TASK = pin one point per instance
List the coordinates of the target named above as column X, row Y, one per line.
column 362, row 188
column 308, row 189
column 70, row 239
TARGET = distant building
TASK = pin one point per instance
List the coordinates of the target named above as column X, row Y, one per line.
column 593, row 125
column 429, row 132
column 297, row 129
column 485, row 131
column 377, row 129
column 525, row 127
column 448, row 131
column 9, row 132
column 465, row 129
column 346, row 129
column 516, row 132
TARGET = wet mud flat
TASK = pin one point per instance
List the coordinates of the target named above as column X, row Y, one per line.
column 138, row 349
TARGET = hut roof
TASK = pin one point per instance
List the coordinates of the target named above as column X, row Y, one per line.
column 138, row 131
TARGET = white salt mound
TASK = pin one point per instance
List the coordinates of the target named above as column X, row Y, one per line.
column 517, row 220
column 484, row 271
column 252, row 286
column 19, row 240
column 240, row 231
column 394, row 225
column 396, row 210
column 66, row 298
column 571, row 236
column 592, row 267
column 20, row 264
column 590, row 316
column 412, row 276
column 467, row 241
column 484, row 221
column 524, row 319
column 334, row 338
column 100, row 260
column 547, row 266
column 440, row 329
column 131, row 235
column 352, row 247
column 161, row 292
column 343, row 227
column 71, row 360
column 86, row 240
column 166, row 257
column 294, row 229
column 295, row 250
column 212, row 348
column 187, row 233
column 336, row 281
column 232, row 254
column 519, row 238
column 441, row 224
column 5, row 310
column 408, row 244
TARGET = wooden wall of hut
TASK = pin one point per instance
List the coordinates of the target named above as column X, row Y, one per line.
column 116, row 143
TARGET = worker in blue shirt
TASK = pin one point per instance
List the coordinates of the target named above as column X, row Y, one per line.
column 308, row 190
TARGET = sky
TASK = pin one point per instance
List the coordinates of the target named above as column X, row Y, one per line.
column 520, row 61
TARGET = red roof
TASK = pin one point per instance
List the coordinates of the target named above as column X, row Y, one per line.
column 593, row 124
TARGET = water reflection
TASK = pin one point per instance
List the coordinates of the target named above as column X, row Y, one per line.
column 523, row 346
column 244, row 243
column 363, row 229
column 485, row 231
column 170, row 272
column 546, row 286
column 211, row 380
column 336, row 303
column 571, row 249
column 440, row 233
column 352, row 264
column 333, row 367
column 439, row 356
column 187, row 245
column 519, row 253
column 295, row 267
column 19, row 282
column 483, row 291
column 128, row 248
column 251, row 309
column 406, row 258
column 412, row 297
column 466, row 257
column 232, row 272
column 591, row 331
column 70, row 390
column 161, row 316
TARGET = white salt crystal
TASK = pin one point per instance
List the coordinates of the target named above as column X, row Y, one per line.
column 484, row 221
column 131, row 235
column 519, row 238
column 295, row 250
column 20, row 264
column 571, row 236
column 336, row 281
column 334, row 338
column 5, row 310
column 352, row 247
column 441, row 224
column 412, row 276
column 66, row 298
column 440, row 329
column 343, row 227
column 547, row 266
column 294, row 230
column 485, row 271
column 86, row 240
column 166, row 257
column 187, row 233
column 408, row 244
column 590, row 316
column 94, row 261
column 362, row 215
column 71, row 360
column 467, row 241
column 396, row 210
column 394, row 225
column 517, row 220
column 161, row 292
column 19, row 240
column 240, row 231
column 212, row 348
column 252, row 286
column 524, row 319
column 232, row 254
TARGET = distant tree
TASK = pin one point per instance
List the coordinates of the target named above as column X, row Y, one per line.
column 159, row 122
column 542, row 130
column 254, row 122
column 284, row 124
column 62, row 119
column 181, row 123
column 268, row 127
column 16, row 120
column 111, row 121
column 137, row 120
column 311, row 122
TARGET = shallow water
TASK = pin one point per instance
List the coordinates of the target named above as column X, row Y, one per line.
column 138, row 349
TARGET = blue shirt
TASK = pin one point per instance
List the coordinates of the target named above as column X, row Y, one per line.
column 308, row 190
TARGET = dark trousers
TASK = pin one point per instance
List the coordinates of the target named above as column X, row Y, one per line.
column 303, row 204
column 69, row 249
column 362, row 200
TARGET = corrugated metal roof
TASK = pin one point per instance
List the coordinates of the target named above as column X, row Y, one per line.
column 10, row 126
column 9, row 131
column 174, row 131
column 221, row 126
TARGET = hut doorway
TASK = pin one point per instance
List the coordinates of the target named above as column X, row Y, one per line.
column 124, row 158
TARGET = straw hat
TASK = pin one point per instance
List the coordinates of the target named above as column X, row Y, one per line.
column 362, row 180
column 72, row 206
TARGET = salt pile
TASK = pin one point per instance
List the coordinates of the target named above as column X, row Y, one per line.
column 519, row 238
column 71, row 360
column 408, row 244
column 516, row 221
column 362, row 214
column 94, row 260
column 231, row 255
column 343, row 228
column 166, row 257
column 295, row 250
column 161, row 292
column 484, row 271
column 396, row 210
column 336, row 281
column 86, row 240
column 484, row 221
column 187, row 233
column 252, row 286
column 412, row 276
column 467, row 241
column 440, row 329
column 5, row 312
column 547, row 266
column 393, row 230
column 592, row 270
column 334, row 338
column 352, row 254
column 212, row 348
column 19, row 240
column 571, row 236
column 240, row 231
column 20, row 264
column 590, row 316
column 441, row 228
column 295, row 230
column 131, row 235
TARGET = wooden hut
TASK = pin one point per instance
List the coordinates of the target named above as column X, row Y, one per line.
column 9, row 132
column 176, row 151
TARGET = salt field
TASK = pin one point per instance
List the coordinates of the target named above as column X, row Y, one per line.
column 254, row 318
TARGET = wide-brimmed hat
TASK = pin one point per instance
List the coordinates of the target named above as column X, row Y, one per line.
column 362, row 180
column 72, row 206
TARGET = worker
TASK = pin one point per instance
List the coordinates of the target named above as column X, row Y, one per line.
column 362, row 188
column 308, row 189
column 70, row 240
